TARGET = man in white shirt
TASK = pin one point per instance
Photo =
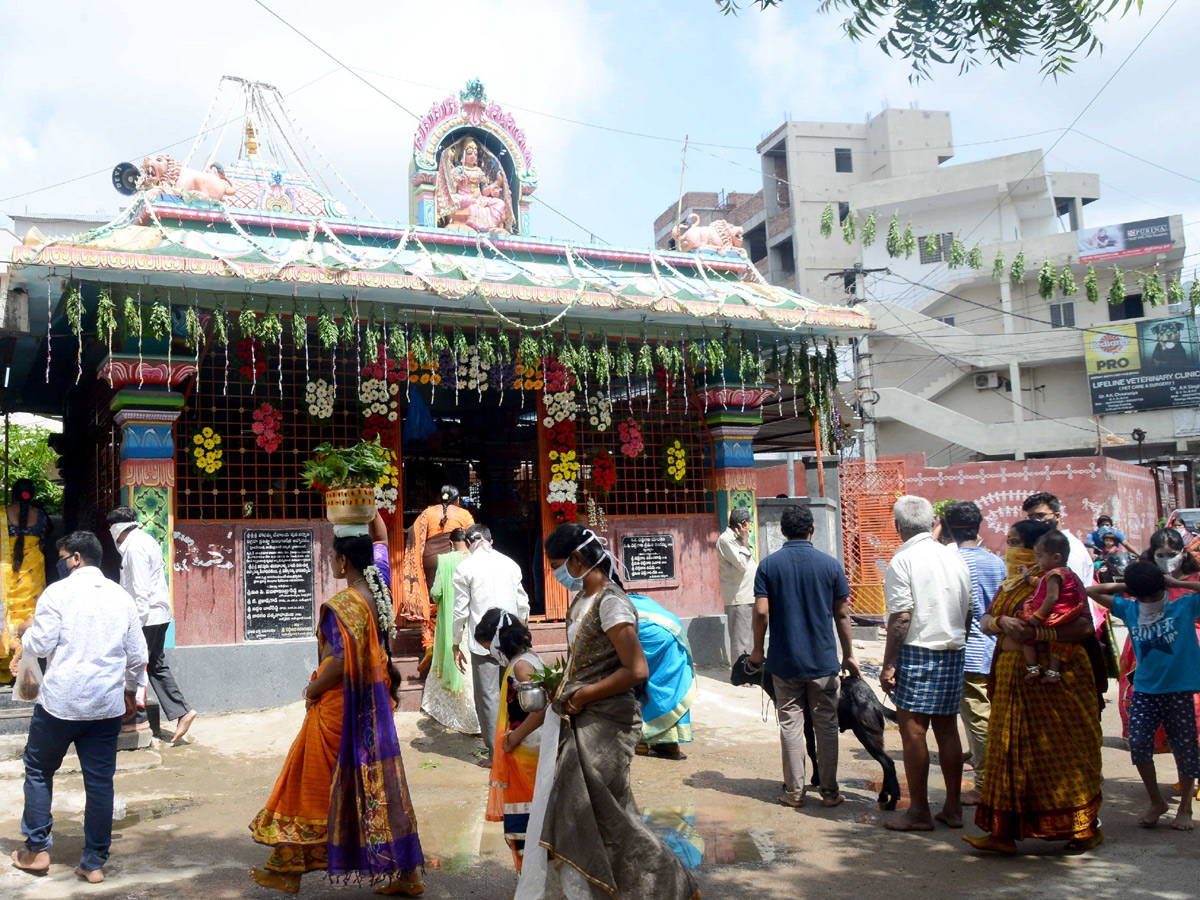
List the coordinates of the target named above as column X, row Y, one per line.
column 144, row 576
column 736, row 569
column 88, row 628
column 927, row 588
column 485, row 579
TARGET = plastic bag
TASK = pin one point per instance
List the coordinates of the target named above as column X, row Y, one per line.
column 29, row 679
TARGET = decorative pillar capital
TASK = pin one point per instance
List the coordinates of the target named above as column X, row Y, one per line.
column 124, row 369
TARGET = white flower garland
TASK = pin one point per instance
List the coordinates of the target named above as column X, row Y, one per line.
column 562, row 491
column 318, row 396
column 378, row 398
column 560, row 406
column 600, row 411
column 383, row 600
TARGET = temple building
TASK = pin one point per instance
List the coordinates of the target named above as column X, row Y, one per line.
column 235, row 316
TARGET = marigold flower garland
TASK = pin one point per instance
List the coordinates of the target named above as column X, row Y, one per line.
column 675, row 462
column 207, row 457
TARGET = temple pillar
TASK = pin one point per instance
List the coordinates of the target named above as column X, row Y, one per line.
column 733, row 416
column 145, row 409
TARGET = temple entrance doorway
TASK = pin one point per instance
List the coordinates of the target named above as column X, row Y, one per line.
column 488, row 450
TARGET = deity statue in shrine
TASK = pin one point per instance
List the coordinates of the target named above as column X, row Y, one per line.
column 473, row 193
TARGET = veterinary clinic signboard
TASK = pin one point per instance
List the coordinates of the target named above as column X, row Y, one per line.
column 1125, row 239
column 1150, row 364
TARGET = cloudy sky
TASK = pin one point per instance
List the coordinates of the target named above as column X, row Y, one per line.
column 87, row 85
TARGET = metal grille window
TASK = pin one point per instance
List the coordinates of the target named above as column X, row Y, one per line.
column 255, row 484
column 641, row 488
column 1062, row 315
column 101, row 492
column 843, row 160
column 943, row 242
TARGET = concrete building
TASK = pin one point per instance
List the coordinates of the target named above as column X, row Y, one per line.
column 965, row 366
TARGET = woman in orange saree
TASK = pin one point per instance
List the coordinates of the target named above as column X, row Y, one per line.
column 430, row 538
column 341, row 803
column 1042, row 776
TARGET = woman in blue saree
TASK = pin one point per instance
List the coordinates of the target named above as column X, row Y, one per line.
column 666, row 710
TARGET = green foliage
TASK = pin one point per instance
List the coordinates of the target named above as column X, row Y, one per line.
column 327, row 330
column 1016, row 272
column 957, row 254
column 975, row 258
column 159, row 321
column 372, row 338
column 270, row 329
column 827, row 220
column 849, row 228
column 1116, row 290
column 248, row 322
column 1047, row 280
column 931, row 244
column 529, row 349
column 968, row 32
column 418, row 348
column 714, row 350
column 106, row 317
column 75, row 310
column 645, row 362
column 503, row 351
column 29, row 456
column 894, row 243
column 1194, row 294
column 1175, row 290
column 299, row 327
column 623, row 366
column 131, row 319
column 461, row 348
column 486, row 348
column 1091, row 285
column 868, row 230
column 939, row 506
column 398, row 346
column 346, row 328
column 1152, row 288
column 438, row 341
column 603, row 358
column 364, row 463
column 221, row 326
column 909, row 240
column 1066, row 282
column 195, row 334
column 998, row 265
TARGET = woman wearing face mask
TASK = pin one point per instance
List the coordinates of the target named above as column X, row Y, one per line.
column 1167, row 552
column 22, row 570
column 583, row 812
column 514, row 768
column 1042, row 778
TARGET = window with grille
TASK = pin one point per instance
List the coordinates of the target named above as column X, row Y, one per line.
column 1062, row 315
column 945, row 320
column 843, row 161
column 943, row 242
column 641, row 488
column 254, row 483
column 100, row 491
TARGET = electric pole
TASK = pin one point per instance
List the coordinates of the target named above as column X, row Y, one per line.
column 854, row 280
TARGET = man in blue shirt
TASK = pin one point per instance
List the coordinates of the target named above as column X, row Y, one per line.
column 987, row 571
column 803, row 594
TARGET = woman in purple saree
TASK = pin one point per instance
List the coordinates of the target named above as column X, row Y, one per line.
column 341, row 803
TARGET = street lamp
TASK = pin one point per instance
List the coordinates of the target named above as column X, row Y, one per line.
column 1139, row 436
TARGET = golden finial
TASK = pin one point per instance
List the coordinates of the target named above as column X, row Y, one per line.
column 250, row 143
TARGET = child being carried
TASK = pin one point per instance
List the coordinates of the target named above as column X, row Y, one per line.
column 1060, row 598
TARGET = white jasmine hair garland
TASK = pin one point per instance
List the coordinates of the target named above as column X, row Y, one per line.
column 383, row 600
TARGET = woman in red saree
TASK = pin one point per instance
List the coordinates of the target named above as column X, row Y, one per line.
column 341, row 803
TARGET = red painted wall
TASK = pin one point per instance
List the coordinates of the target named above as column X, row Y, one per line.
column 207, row 578
column 1086, row 485
column 695, row 590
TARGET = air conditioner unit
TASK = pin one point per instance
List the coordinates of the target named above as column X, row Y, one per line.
column 986, row 381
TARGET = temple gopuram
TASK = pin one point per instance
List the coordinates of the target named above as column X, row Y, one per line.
column 234, row 316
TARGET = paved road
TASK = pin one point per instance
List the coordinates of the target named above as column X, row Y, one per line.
column 184, row 833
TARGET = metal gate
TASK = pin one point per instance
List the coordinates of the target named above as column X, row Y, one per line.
column 869, row 538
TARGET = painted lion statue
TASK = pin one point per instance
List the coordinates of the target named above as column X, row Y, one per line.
column 720, row 237
column 164, row 173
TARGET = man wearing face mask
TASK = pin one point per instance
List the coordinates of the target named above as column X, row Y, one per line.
column 144, row 576
column 88, row 628
column 485, row 580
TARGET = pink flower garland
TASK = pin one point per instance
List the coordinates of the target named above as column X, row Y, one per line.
column 267, row 422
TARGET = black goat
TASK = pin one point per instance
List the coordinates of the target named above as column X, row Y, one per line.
column 859, row 710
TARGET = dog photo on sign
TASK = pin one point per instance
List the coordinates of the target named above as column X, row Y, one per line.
column 1169, row 351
